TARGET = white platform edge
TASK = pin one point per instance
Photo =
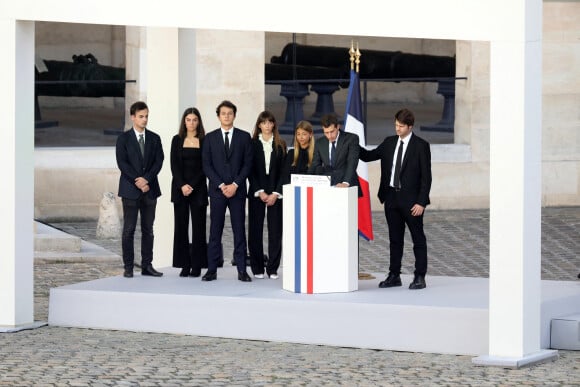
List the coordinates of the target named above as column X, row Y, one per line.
column 542, row 356
column 450, row 316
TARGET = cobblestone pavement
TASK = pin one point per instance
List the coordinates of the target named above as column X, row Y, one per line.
column 458, row 246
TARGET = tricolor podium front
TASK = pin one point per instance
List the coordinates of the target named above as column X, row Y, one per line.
column 320, row 239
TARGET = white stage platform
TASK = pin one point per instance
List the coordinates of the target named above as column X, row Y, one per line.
column 449, row 316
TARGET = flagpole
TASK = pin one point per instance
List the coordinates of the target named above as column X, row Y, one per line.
column 355, row 65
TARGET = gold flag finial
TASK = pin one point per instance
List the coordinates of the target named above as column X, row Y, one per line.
column 351, row 52
column 358, row 55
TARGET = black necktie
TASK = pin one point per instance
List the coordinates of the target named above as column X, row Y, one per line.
column 142, row 144
column 332, row 153
column 227, row 144
column 397, row 178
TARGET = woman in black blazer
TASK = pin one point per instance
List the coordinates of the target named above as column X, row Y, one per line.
column 300, row 157
column 264, row 195
column 189, row 195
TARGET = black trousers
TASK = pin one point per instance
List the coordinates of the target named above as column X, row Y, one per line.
column 186, row 255
column 397, row 218
column 217, row 207
column 257, row 212
column 145, row 208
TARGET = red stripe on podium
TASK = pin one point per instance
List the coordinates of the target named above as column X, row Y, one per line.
column 309, row 241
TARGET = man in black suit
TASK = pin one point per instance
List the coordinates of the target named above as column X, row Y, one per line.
column 227, row 162
column 336, row 154
column 404, row 190
column 140, row 158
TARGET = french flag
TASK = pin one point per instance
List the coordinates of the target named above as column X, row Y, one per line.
column 355, row 125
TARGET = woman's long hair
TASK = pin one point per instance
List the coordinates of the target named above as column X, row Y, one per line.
column 200, row 131
column 268, row 116
column 306, row 126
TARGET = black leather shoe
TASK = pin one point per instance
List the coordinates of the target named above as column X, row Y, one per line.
column 195, row 274
column 150, row 271
column 244, row 277
column 128, row 273
column 418, row 282
column 184, row 272
column 391, row 281
column 209, row 276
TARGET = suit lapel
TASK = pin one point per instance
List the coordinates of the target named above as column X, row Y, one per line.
column 325, row 156
column 147, row 148
column 391, row 152
column 261, row 159
column 408, row 152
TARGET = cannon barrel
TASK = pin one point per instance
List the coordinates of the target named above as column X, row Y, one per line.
column 84, row 77
column 314, row 64
column 284, row 72
column 375, row 64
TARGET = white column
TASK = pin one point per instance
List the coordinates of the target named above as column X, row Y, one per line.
column 17, row 158
column 187, row 70
column 163, row 100
column 135, row 68
column 515, row 193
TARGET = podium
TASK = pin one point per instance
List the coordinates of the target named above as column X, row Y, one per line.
column 320, row 239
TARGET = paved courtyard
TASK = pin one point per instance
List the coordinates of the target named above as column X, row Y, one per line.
column 458, row 246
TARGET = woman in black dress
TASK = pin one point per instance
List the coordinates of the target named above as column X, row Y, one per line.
column 300, row 157
column 189, row 195
column 264, row 195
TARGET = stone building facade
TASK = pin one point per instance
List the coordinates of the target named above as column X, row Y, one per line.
column 225, row 63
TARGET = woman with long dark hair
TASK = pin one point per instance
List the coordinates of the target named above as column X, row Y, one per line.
column 264, row 195
column 189, row 195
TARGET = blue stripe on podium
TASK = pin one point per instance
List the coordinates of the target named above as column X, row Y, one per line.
column 297, row 239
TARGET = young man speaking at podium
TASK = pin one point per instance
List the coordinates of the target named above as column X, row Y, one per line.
column 336, row 154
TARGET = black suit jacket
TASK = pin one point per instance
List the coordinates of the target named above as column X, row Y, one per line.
column 347, row 154
column 198, row 182
column 258, row 178
column 221, row 168
column 415, row 170
column 133, row 165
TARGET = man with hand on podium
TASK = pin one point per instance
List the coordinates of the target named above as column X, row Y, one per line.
column 336, row 154
column 404, row 190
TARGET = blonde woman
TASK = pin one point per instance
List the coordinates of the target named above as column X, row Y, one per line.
column 299, row 159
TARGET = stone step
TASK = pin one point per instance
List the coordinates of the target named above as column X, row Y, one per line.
column 49, row 239
column 565, row 332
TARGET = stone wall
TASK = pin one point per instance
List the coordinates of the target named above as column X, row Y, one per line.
column 560, row 116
